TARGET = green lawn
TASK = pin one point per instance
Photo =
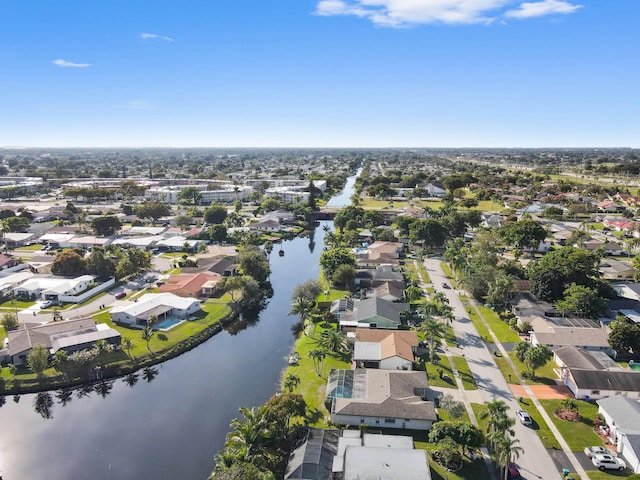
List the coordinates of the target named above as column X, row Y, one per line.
column 478, row 410
column 15, row 304
column 423, row 272
column 607, row 475
column 434, row 378
column 541, row 427
column 444, row 416
column 313, row 386
column 544, row 375
column 28, row 248
column 507, row 372
column 501, row 329
column 479, row 324
column 577, row 434
column 465, row 373
column 446, row 270
column 471, row 470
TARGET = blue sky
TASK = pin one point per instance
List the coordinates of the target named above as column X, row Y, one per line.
column 320, row 73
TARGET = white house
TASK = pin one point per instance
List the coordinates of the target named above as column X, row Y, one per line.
column 622, row 416
column 48, row 287
column 162, row 305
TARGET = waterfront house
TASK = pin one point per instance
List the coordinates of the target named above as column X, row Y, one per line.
column 385, row 349
column 161, row 305
column 380, row 398
column 69, row 335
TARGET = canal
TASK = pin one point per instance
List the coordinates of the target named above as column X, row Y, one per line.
column 169, row 427
column 168, row 424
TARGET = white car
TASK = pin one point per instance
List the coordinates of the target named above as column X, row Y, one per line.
column 524, row 417
column 46, row 304
column 608, row 462
column 591, row 451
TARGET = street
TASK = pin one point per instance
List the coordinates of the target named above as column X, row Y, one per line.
column 535, row 462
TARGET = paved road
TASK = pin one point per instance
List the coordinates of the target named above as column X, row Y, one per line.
column 535, row 462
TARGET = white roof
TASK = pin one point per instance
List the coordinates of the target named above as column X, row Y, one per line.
column 151, row 300
column 17, row 237
column 14, row 279
column 138, row 241
column 145, row 230
column 53, row 284
column 57, row 237
column 177, row 241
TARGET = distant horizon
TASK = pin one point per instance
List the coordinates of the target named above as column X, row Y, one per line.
column 150, row 147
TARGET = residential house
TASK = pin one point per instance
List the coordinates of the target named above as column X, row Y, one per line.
column 161, row 305
column 69, row 335
column 593, row 375
column 389, row 291
column 15, row 240
column 385, row 349
column 622, row 416
column 611, row 269
column 178, row 243
column 10, row 282
column 49, row 287
column 223, row 266
column 40, row 264
column 372, row 312
column 9, row 263
column 191, row 285
column 380, row 457
column 313, row 459
column 380, row 398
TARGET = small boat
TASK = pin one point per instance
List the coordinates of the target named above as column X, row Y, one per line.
column 294, row 358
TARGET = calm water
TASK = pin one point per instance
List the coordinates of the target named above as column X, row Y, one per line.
column 171, row 427
column 344, row 198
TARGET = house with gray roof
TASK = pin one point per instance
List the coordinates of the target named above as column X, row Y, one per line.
column 622, row 416
column 380, row 398
column 372, row 312
column 69, row 335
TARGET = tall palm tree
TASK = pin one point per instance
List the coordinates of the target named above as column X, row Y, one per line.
column 248, row 434
column 413, row 293
column 509, row 450
column 301, row 307
column 431, row 329
column 318, row 355
column 127, row 345
column 147, row 334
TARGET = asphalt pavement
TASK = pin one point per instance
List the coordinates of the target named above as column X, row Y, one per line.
column 535, row 462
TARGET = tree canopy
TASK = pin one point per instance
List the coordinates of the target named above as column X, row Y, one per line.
column 106, row 226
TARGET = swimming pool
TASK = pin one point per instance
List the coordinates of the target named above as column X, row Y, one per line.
column 168, row 323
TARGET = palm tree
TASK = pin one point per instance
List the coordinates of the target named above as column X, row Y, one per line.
column 520, row 349
column 152, row 320
column 498, row 422
column 509, row 450
column 301, row 307
column 318, row 355
column 291, row 381
column 334, row 340
column 127, row 345
column 431, row 329
column 500, row 289
column 413, row 293
column 147, row 334
column 247, row 434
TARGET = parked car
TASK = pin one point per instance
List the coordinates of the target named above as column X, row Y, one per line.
column 524, row 417
column 445, row 285
column 513, row 473
column 608, row 462
column 591, row 451
column 120, row 295
column 46, row 304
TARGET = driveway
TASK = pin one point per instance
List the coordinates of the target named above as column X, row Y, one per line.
column 535, row 461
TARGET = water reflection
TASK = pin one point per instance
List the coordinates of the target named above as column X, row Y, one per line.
column 131, row 379
column 149, row 373
column 104, row 387
column 43, row 404
column 64, row 396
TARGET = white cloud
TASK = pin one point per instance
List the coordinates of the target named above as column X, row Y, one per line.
column 63, row 63
column 539, row 9
column 154, row 36
column 401, row 13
